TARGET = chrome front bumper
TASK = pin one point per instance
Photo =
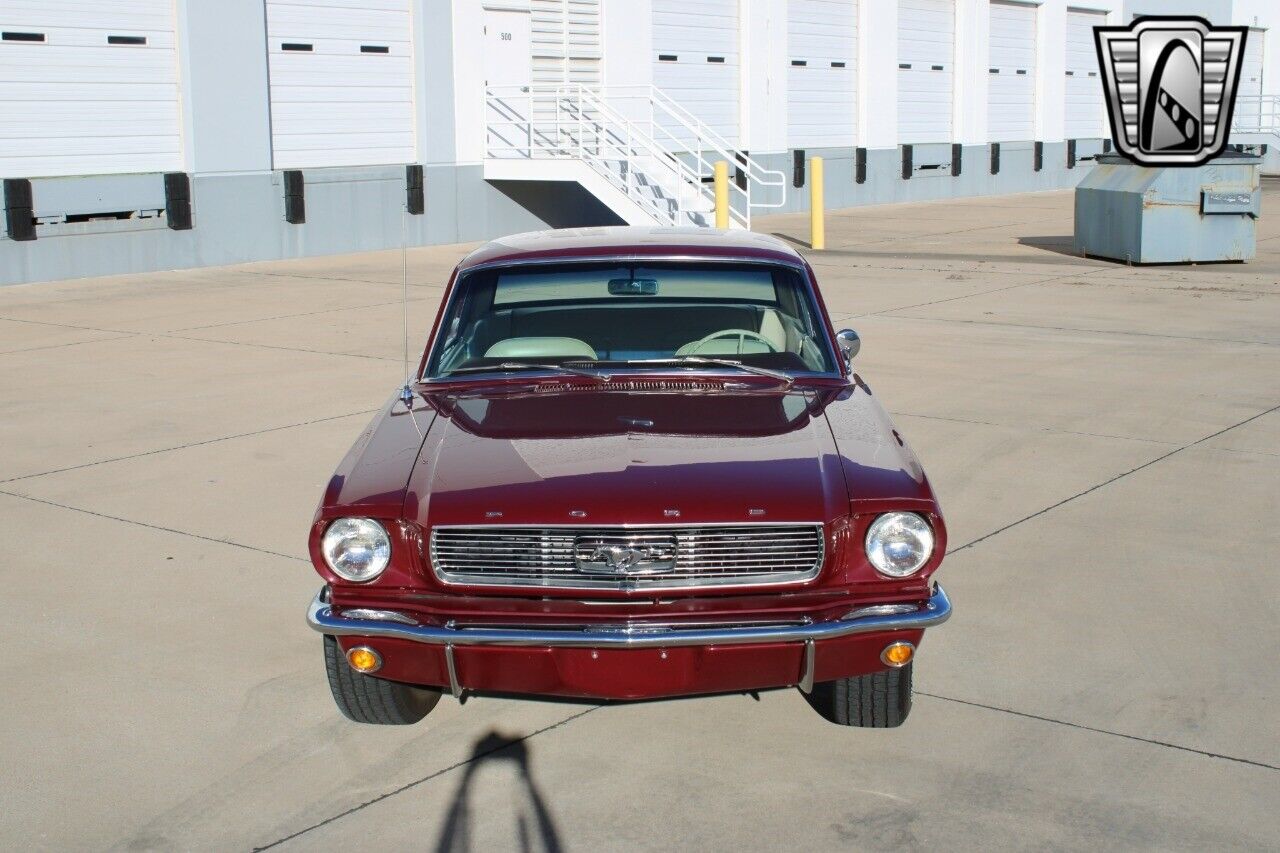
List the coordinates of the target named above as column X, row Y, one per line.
column 361, row 622
column 389, row 623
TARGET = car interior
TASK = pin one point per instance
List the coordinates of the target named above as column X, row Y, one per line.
column 755, row 314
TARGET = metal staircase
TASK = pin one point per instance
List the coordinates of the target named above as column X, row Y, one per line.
column 642, row 154
column 1256, row 115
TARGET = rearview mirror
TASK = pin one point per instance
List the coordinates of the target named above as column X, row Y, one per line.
column 633, row 286
column 849, row 343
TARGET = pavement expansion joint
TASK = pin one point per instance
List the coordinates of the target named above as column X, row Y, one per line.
column 189, row 444
column 1095, row 729
column 1108, row 482
column 158, row 527
column 295, row 316
column 437, row 774
column 1052, row 430
column 1120, row 332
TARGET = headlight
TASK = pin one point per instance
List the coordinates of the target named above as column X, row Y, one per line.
column 357, row 549
column 899, row 543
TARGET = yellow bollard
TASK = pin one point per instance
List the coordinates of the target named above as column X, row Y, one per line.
column 722, row 194
column 817, row 226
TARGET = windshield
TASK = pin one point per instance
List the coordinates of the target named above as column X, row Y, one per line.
column 638, row 316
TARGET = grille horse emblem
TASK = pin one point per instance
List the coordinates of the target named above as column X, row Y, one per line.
column 1170, row 85
column 601, row 555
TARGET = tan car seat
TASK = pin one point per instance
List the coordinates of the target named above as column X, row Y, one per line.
column 541, row 347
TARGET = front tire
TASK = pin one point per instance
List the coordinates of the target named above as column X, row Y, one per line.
column 366, row 699
column 880, row 700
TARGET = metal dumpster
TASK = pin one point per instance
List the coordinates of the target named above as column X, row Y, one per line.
column 1149, row 215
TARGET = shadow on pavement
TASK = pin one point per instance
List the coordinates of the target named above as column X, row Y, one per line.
column 1063, row 244
column 900, row 250
column 796, row 241
column 535, row 828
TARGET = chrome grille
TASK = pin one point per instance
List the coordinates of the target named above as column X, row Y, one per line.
column 710, row 555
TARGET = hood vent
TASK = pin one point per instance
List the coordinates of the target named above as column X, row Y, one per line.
column 635, row 385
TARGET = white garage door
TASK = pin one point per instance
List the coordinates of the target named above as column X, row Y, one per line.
column 1085, row 116
column 566, row 41
column 926, row 69
column 822, row 79
column 341, row 83
column 1248, row 107
column 1251, row 68
column 695, row 45
column 1011, row 73
column 88, row 88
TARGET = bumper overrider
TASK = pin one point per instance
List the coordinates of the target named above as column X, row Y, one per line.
column 397, row 626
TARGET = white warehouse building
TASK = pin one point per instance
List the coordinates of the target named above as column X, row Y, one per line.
column 154, row 134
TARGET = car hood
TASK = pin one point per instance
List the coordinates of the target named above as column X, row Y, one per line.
column 635, row 458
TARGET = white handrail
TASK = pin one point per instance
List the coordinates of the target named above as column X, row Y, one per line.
column 739, row 196
column 705, row 133
column 659, row 155
column 586, row 129
column 1256, row 114
column 584, row 102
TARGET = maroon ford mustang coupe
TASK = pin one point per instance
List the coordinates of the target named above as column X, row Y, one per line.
column 633, row 463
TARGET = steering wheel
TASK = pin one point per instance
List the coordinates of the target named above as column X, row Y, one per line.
column 741, row 335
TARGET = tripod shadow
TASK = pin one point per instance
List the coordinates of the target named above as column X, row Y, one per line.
column 535, row 828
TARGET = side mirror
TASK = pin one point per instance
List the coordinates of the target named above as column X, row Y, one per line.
column 849, row 343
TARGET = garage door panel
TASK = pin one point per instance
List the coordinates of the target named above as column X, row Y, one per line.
column 923, row 88
column 1252, row 63
column 342, row 46
column 822, row 92
column 72, row 71
column 926, row 66
column 357, row 139
column 1249, row 111
column 303, row 110
column 57, row 147
column 45, row 165
column 706, row 94
column 59, row 127
column 135, row 95
column 318, row 32
column 303, row 6
column 88, row 15
column 691, row 31
column 336, row 105
column 1013, row 33
column 364, row 17
column 63, row 38
column 314, row 96
column 1084, row 109
column 708, row 26
column 345, row 123
column 349, row 71
column 74, row 104
column 1011, row 72
column 1081, row 52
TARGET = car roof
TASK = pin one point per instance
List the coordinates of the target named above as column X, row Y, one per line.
column 630, row 241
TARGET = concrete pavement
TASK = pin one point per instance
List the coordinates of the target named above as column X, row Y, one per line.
column 1105, row 441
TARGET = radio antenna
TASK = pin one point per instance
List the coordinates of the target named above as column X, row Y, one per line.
column 406, row 393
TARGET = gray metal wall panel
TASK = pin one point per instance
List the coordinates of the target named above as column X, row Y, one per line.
column 240, row 218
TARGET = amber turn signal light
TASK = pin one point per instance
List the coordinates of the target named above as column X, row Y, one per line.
column 364, row 659
column 898, row 654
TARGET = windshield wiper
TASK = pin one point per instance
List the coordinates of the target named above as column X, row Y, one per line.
column 525, row 365
column 720, row 362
